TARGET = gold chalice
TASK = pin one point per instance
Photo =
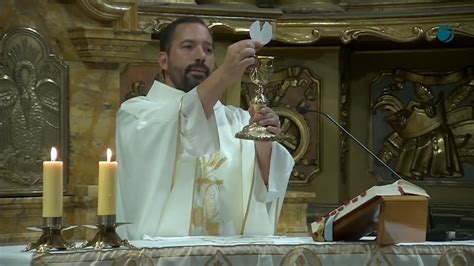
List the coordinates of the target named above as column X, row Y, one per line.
column 259, row 75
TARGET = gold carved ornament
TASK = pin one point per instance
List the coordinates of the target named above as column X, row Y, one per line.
column 388, row 33
column 405, row 33
column 432, row 135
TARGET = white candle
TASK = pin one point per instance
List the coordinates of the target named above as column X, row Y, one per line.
column 107, row 186
column 53, row 186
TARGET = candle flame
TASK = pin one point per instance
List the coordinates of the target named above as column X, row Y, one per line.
column 54, row 154
column 109, row 154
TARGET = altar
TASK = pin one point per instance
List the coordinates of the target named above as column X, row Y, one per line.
column 341, row 58
column 252, row 251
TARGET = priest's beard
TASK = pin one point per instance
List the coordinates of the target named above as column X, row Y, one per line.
column 188, row 81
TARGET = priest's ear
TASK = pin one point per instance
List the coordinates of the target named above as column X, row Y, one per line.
column 163, row 60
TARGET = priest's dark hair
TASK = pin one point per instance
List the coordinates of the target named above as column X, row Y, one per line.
column 167, row 34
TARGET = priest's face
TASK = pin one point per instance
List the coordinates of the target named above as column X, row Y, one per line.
column 190, row 59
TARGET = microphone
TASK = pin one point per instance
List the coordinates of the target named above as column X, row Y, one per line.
column 304, row 110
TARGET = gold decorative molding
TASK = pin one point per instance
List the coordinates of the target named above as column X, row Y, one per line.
column 122, row 15
column 106, row 45
column 308, row 7
column 403, row 34
column 403, row 30
column 223, row 12
column 235, row 19
column 382, row 32
column 229, row 27
column 152, row 24
column 294, row 120
column 400, row 24
column 289, row 33
column 245, row 2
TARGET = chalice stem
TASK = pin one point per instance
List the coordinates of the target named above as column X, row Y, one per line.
column 260, row 75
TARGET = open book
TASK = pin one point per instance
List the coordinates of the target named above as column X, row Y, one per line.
column 399, row 187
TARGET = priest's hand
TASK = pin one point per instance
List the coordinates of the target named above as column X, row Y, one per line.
column 266, row 117
column 239, row 57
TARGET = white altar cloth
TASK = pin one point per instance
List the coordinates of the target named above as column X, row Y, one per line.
column 239, row 250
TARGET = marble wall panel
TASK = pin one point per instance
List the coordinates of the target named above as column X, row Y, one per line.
column 94, row 101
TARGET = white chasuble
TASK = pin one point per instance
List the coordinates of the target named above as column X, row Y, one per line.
column 202, row 181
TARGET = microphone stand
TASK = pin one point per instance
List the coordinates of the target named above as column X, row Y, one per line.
column 432, row 234
column 303, row 110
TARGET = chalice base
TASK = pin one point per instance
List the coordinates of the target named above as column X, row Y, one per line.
column 256, row 133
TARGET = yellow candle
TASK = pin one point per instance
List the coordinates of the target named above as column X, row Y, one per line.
column 107, row 186
column 53, row 187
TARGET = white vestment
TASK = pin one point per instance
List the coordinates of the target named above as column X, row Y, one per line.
column 202, row 181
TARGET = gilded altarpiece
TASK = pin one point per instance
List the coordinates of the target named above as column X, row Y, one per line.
column 414, row 109
column 33, row 110
column 425, row 123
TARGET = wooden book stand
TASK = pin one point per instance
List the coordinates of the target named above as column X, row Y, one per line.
column 395, row 219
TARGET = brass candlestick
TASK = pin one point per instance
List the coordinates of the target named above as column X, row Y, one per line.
column 106, row 237
column 259, row 75
column 52, row 237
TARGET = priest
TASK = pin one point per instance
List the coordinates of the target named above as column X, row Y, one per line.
column 181, row 170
